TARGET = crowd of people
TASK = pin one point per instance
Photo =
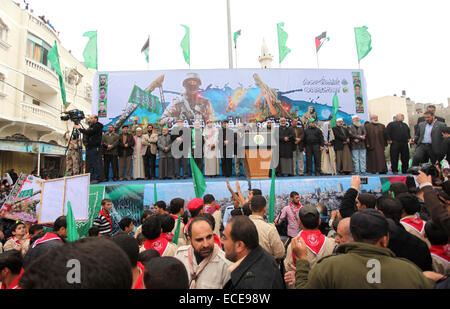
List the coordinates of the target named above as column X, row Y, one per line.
column 394, row 241
column 356, row 149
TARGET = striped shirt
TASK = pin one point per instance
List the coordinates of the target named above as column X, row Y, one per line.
column 103, row 224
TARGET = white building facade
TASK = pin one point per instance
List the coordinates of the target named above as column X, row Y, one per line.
column 30, row 98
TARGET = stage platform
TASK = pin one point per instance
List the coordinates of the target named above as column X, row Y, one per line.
column 130, row 198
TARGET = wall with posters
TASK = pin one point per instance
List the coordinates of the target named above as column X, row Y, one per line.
column 142, row 97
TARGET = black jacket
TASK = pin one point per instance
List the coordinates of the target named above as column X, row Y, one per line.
column 313, row 136
column 257, row 271
column 348, row 205
column 93, row 135
column 408, row 246
column 399, row 132
column 340, row 137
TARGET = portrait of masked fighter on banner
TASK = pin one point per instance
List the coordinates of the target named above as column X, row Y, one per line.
column 190, row 106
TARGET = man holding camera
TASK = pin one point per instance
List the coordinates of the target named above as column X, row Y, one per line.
column 94, row 140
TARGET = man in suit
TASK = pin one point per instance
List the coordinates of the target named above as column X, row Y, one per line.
column 431, row 108
column 429, row 140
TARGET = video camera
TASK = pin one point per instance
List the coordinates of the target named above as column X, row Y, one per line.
column 428, row 168
column 74, row 115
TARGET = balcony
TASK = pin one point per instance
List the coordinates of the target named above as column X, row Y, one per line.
column 40, row 70
column 34, row 114
column 38, row 22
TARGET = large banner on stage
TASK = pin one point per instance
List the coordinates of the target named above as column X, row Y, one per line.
column 142, row 97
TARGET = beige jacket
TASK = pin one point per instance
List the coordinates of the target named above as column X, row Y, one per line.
column 10, row 245
column 150, row 141
column 440, row 265
column 218, row 218
column 214, row 276
column 182, row 241
column 312, row 258
column 269, row 238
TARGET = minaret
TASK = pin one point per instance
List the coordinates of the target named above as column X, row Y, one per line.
column 266, row 58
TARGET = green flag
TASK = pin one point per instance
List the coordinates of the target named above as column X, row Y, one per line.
column 72, row 233
column 335, row 110
column 176, row 235
column 272, row 199
column 155, row 193
column 363, row 42
column 197, row 178
column 385, row 185
column 53, row 57
column 144, row 99
column 145, row 49
column 90, row 51
column 282, row 38
column 236, row 35
column 186, row 45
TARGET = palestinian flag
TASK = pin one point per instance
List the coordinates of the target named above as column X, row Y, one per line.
column 387, row 181
column 145, row 49
column 320, row 40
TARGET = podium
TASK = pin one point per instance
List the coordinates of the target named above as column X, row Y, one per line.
column 258, row 155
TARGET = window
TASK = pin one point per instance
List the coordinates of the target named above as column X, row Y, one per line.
column 2, row 84
column 88, row 89
column 37, row 49
column 36, row 102
column 3, row 31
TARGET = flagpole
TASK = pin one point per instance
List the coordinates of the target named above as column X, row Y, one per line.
column 230, row 47
column 148, row 62
column 317, row 57
column 235, row 53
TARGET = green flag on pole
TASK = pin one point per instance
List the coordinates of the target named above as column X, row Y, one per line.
column 272, row 199
column 282, row 38
column 53, row 57
column 236, row 35
column 72, row 233
column 197, row 179
column 186, row 45
column 90, row 51
column 155, row 193
column 335, row 110
column 176, row 235
column 363, row 42
column 146, row 49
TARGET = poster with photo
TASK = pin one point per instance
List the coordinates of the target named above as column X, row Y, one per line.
column 359, row 98
column 103, row 96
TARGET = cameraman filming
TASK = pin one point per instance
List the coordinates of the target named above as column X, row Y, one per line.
column 94, row 139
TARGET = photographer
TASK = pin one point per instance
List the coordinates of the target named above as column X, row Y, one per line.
column 94, row 140
column 73, row 156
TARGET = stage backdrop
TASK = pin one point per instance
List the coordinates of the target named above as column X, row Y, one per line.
column 141, row 97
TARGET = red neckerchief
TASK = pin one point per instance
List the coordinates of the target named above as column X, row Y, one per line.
column 108, row 217
column 441, row 251
column 217, row 241
column 139, row 285
column 211, row 209
column 314, row 240
column 175, row 217
column 416, row 223
column 295, row 210
column 159, row 244
column 186, row 228
column 168, row 236
column 16, row 240
column 47, row 237
column 15, row 284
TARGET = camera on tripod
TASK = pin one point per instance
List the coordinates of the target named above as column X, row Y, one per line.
column 74, row 115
